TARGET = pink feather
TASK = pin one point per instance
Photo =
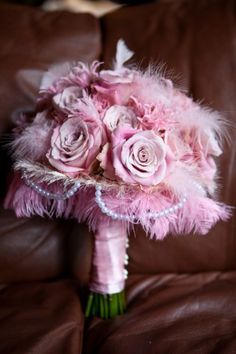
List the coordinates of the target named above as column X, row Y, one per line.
column 191, row 137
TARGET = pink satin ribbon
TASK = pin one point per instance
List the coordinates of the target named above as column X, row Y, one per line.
column 109, row 257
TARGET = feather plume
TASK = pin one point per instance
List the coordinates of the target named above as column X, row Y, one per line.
column 189, row 136
column 55, row 72
column 34, row 141
column 29, row 81
column 198, row 215
column 123, row 54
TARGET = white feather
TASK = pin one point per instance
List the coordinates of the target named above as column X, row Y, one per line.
column 29, row 81
column 123, row 54
column 54, row 73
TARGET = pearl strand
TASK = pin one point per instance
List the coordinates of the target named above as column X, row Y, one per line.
column 199, row 187
column 49, row 195
column 132, row 218
column 126, row 260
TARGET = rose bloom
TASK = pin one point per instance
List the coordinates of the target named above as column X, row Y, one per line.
column 117, row 116
column 75, row 145
column 117, row 93
column 67, row 97
column 138, row 157
column 120, row 76
column 204, row 146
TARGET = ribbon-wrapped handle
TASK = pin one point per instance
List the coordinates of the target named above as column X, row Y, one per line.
column 108, row 270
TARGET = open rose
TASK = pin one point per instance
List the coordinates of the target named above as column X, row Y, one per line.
column 117, row 116
column 137, row 157
column 207, row 143
column 67, row 97
column 204, row 146
column 75, row 145
column 114, row 77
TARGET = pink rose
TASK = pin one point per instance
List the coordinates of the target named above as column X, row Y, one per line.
column 200, row 146
column 63, row 76
column 67, row 97
column 106, row 162
column 84, row 74
column 137, row 157
column 117, row 116
column 207, row 143
column 155, row 116
column 114, row 77
column 75, row 145
column 101, row 103
column 205, row 146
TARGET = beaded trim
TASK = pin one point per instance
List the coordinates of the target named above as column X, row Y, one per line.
column 98, row 198
column 132, row 218
column 126, row 260
column 63, row 196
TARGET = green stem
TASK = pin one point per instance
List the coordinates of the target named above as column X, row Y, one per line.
column 105, row 305
column 89, row 305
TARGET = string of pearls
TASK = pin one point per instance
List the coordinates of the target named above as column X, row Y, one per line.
column 199, row 187
column 98, row 198
column 132, row 218
column 126, row 259
column 57, row 196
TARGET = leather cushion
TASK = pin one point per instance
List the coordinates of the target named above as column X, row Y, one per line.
column 34, row 39
column 30, row 38
column 40, row 318
column 194, row 41
column 32, row 249
column 171, row 314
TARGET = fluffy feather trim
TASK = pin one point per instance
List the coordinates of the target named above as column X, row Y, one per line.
column 198, row 215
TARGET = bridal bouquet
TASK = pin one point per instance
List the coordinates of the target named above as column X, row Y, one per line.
column 115, row 148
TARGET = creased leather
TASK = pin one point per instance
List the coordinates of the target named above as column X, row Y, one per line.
column 40, row 318
column 35, row 249
column 194, row 44
column 194, row 314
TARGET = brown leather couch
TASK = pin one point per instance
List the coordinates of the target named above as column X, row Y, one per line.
column 181, row 292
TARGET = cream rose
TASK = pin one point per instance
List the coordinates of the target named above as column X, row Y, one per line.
column 67, row 97
column 75, row 145
column 117, row 116
column 137, row 157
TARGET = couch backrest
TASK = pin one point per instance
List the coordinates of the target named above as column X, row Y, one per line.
column 35, row 248
column 194, row 41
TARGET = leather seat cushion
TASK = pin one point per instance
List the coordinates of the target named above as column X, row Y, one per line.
column 171, row 313
column 43, row 318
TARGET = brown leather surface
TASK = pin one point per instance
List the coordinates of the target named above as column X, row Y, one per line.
column 180, row 298
column 196, row 42
column 30, row 38
column 40, row 318
column 33, row 39
column 32, row 249
column 171, row 314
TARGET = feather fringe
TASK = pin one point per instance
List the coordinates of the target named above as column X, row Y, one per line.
column 26, row 202
column 198, row 215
